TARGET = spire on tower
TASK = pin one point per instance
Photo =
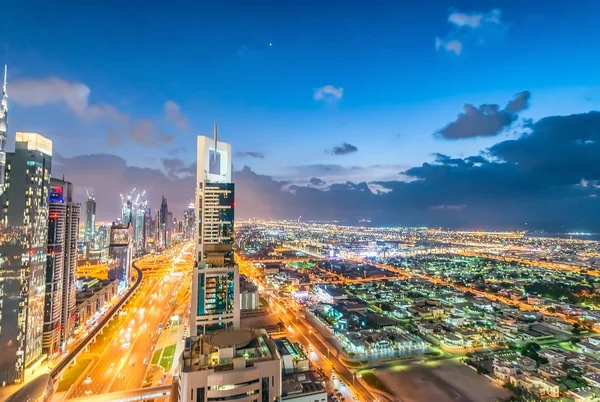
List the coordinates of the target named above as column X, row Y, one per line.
column 5, row 75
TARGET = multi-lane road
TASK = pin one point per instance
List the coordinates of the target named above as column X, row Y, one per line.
column 122, row 354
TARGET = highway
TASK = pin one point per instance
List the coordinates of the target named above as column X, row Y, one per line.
column 122, row 355
column 77, row 349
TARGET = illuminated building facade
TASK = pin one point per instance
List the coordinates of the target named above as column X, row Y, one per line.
column 189, row 219
column 134, row 208
column 90, row 220
column 215, row 304
column 3, row 131
column 23, row 249
column 119, row 255
column 163, row 223
column 61, row 266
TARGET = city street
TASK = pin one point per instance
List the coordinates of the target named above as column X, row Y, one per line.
column 123, row 352
column 323, row 355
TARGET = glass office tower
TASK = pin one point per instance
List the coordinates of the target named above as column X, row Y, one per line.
column 23, row 249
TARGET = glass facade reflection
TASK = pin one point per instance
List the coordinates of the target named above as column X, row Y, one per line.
column 23, row 243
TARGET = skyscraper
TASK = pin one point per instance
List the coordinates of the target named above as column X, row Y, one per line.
column 70, row 269
column 3, row 131
column 133, row 210
column 61, row 266
column 189, row 218
column 215, row 288
column 23, row 249
column 163, row 219
column 90, row 219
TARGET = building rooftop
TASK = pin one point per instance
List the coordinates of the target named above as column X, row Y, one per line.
column 226, row 350
column 300, row 384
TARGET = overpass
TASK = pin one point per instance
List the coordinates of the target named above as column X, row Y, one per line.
column 141, row 394
column 57, row 371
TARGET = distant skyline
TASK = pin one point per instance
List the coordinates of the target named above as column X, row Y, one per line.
column 455, row 114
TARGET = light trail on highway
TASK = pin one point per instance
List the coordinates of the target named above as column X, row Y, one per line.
column 121, row 356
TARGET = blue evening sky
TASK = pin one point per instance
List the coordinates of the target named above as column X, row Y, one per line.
column 253, row 67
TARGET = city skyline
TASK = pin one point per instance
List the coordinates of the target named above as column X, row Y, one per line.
column 452, row 121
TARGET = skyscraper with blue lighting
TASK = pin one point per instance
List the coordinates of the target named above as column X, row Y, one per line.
column 215, row 288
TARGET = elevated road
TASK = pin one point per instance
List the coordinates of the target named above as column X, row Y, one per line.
column 57, row 371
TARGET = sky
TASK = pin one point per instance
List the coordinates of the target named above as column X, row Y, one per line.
column 464, row 114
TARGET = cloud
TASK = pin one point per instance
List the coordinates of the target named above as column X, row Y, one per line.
column 536, row 178
column 328, row 92
column 335, row 174
column 144, row 132
column 165, row 138
column 471, row 28
column 114, row 138
column 474, row 19
column 486, row 120
column 110, row 175
column 73, row 95
column 316, row 182
column 173, row 113
column 454, row 46
column 343, row 149
column 251, row 154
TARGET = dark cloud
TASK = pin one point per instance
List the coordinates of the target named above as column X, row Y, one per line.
column 343, row 149
column 485, row 120
column 251, row 154
column 315, row 181
column 548, row 177
column 110, row 175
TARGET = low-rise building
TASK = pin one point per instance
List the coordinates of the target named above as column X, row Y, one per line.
column 302, row 387
column 91, row 297
column 536, row 385
column 504, row 369
column 249, row 296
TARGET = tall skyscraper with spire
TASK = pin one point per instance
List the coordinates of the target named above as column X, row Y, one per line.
column 3, row 131
column 215, row 289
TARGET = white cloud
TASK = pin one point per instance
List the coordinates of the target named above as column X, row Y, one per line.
column 328, row 92
column 449, row 46
column 475, row 19
column 173, row 113
column 74, row 95
column 471, row 27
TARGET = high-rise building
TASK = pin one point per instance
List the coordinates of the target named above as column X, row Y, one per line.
column 119, row 254
column 133, row 211
column 61, row 266
column 23, row 250
column 90, row 220
column 3, row 131
column 170, row 228
column 163, row 222
column 70, row 269
column 189, row 219
column 215, row 288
